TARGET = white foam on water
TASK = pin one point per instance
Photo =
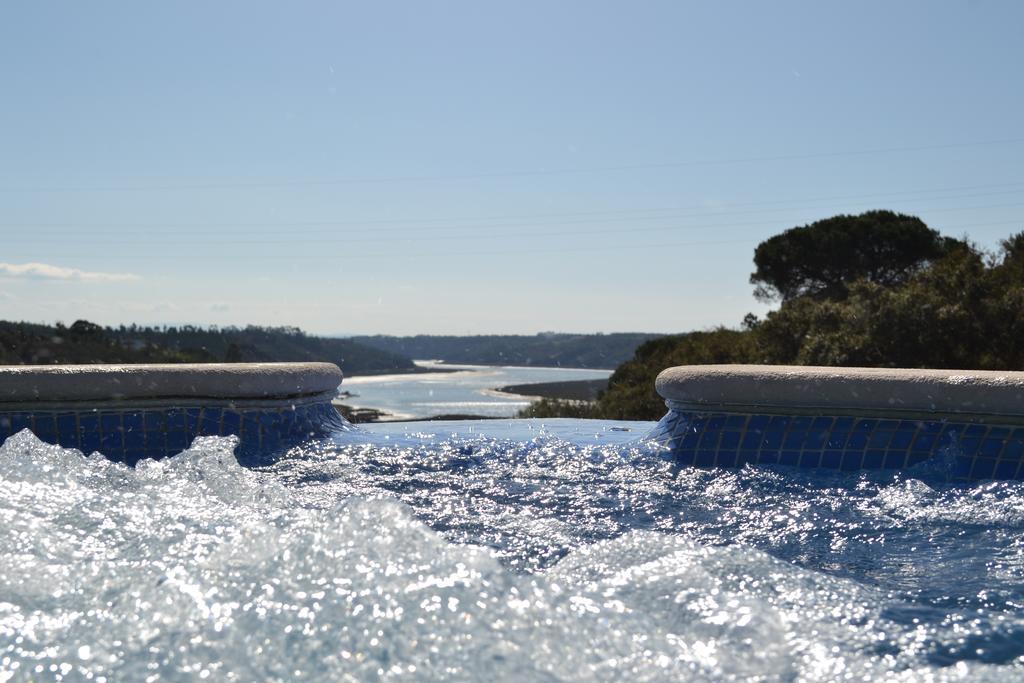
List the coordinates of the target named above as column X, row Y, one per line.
column 196, row 567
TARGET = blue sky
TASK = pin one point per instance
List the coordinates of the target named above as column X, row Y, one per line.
column 479, row 167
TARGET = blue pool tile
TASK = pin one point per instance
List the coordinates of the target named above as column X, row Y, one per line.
column 778, row 422
column 794, row 440
column 716, row 422
column 948, row 439
column 858, row 441
column 44, row 425
column 983, row 468
column 704, row 459
column 789, row 458
column 1014, row 448
column 134, row 422
column 772, row 439
column 690, row 440
column 686, row 457
column 969, row 445
column 852, row 460
column 873, row 459
column 816, row 439
column 843, row 424
column 737, row 422
column 770, row 457
column 19, row 421
column 962, row 467
column 917, row 457
column 729, row 441
column 271, row 439
column 696, row 423
column 888, row 425
column 865, row 425
column 154, row 420
column 836, row 440
column 175, row 420
column 89, row 423
column 923, row 442
column 952, row 431
column 999, row 432
column 89, row 439
column 213, row 416
column 746, row 458
column 1006, row 469
column 975, row 430
column 880, row 439
column 832, row 459
column 709, row 440
column 759, row 422
column 751, row 440
column 726, row 459
column 810, row 459
column 801, row 422
column 112, row 443
column 156, row 440
column 67, row 430
column 250, row 429
column 110, row 422
column 746, row 455
column 991, row 447
column 895, row 460
column 931, row 427
column 824, row 423
column 177, row 441
column 135, row 440
column 901, row 439
column 192, row 420
column 232, row 423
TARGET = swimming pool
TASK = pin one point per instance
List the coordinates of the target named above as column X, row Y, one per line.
column 557, row 550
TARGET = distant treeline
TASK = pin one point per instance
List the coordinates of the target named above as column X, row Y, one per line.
column 875, row 290
column 546, row 349
column 85, row 342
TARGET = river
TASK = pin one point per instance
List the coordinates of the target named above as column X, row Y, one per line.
column 454, row 389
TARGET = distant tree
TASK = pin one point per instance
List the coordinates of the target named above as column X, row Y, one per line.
column 81, row 328
column 822, row 259
column 233, row 354
column 631, row 395
column 937, row 319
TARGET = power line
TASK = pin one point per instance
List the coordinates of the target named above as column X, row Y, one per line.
column 395, row 252
column 507, row 174
column 620, row 215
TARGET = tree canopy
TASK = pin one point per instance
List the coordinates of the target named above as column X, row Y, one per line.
column 822, row 259
column 962, row 308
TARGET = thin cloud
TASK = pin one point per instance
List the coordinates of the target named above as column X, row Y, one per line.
column 45, row 271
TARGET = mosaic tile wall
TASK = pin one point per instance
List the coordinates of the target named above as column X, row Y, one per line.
column 958, row 450
column 129, row 435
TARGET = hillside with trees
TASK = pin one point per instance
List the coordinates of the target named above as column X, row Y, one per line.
column 85, row 342
column 546, row 349
column 875, row 290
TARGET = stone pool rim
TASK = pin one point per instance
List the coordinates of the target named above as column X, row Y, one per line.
column 128, row 413
column 972, row 395
column 166, row 384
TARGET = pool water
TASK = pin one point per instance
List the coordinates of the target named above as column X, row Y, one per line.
column 503, row 550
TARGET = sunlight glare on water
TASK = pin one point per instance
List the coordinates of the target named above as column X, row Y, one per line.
column 460, row 556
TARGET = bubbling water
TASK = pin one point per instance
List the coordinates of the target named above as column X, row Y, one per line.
column 363, row 558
